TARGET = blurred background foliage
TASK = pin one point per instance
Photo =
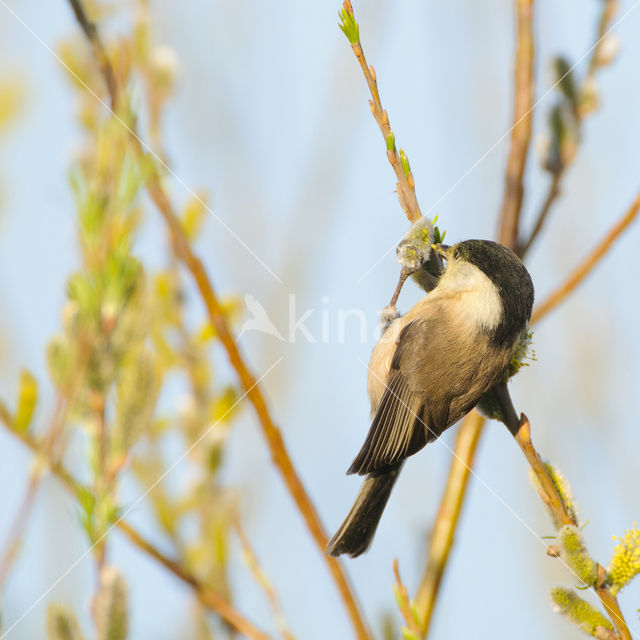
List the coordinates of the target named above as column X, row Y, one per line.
column 109, row 368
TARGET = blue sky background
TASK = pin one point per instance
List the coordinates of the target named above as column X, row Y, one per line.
column 270, row 117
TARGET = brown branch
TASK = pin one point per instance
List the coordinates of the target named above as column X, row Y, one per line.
column 210, row 598
column 446, row 521
column 557, row 506
column 521, row 130
column 552, row 194
column 463, row 455
column 99, row 52
column 217, row 317
column 54, row 432
column 263, row 581
column 587, row 265
column 609, row 8
column 207, row 596
column 404, row 602
column 470, row 431
column 405, row 185
column 19, row 525
column 272, row 433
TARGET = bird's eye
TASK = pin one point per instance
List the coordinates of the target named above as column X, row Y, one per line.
column 456, row 253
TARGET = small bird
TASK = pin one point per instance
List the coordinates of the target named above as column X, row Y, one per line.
column 432, row 366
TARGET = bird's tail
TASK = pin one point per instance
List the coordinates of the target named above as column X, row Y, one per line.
column 356, row 532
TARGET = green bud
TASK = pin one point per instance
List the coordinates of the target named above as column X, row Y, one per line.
column 391, row 142
column 404, row 161
column 349, row 26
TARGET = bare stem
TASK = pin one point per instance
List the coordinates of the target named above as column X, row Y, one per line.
column 273, row 436
column 521, row 130
column 210, row 598
column 405, row 185
column 261, row 579
column 555, row 503
column 99, row 52
column 447, row 518
column 609, row 8
column 552, row 194
column 588, row 264
column 404, row 602
column 217, row 317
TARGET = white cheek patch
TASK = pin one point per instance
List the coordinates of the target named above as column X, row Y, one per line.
column 478, row 299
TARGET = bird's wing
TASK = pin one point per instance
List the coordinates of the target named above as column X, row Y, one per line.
column 393, row 429
column 432, row 384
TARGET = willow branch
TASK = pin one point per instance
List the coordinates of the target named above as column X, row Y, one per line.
column 407, row 612
column 469, row 435
column 609, row 8
column 522, row 124
column 218, row 320
column 99, row 52
column 588, row 264
column 557, row 506
column 64, row 399
column 23, row 514
column 553, row 192
column 447, row 518
column 263, row 581
column 209, row 598
column 405, row 184
column 472, row 427
column 271, row 432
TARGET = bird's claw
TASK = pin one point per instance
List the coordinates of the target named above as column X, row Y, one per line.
column 387, row 316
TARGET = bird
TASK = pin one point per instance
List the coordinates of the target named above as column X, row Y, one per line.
column 432, row 366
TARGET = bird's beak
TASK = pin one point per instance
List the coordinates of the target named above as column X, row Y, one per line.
column 443, row 250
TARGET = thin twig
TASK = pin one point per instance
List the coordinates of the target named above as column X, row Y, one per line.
column 207, row 596
column 19, row 525
column 404, row 602
column 405, row 185
column 210, row 598
column 463, row 456
column 261, row 578
column 521, row 131
column 606, row 17
column 609, row 9
column 552, row 194
column 99, row 52
column 549, row 493
column 587, row 265
column 472, row 427
column 38, row 473
column 273, row 436
column 217, row 317
column 442, row 536
column 470, row 432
